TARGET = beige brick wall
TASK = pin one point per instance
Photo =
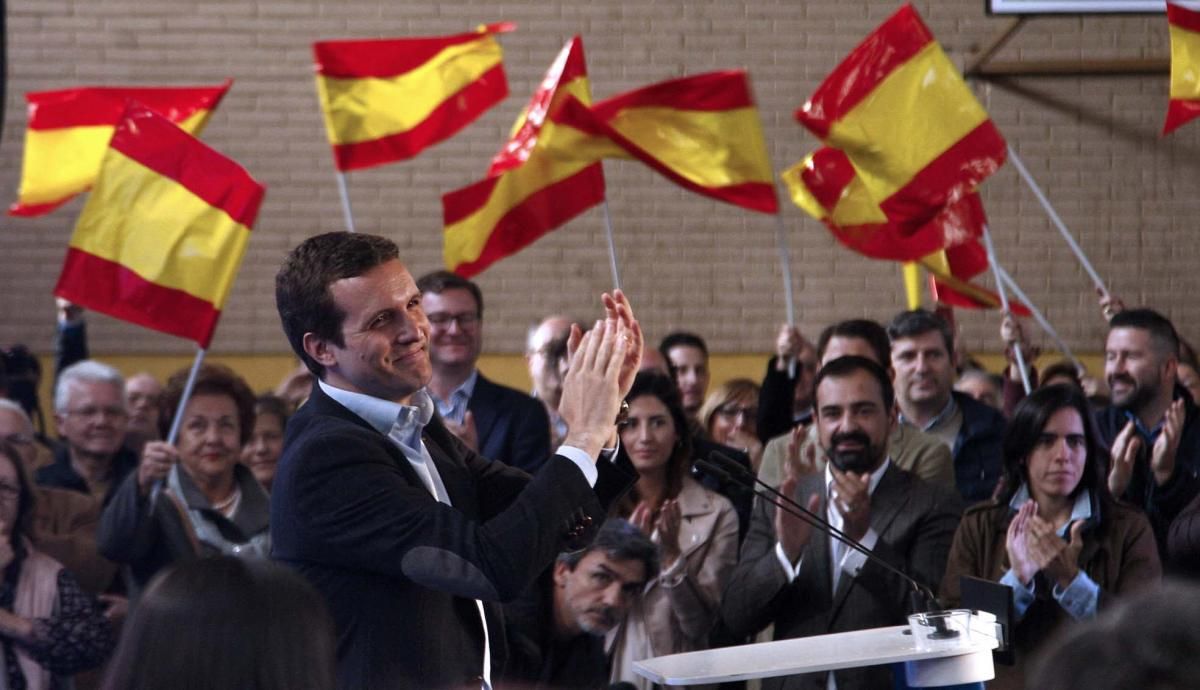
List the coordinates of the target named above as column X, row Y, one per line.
column 1131, row 198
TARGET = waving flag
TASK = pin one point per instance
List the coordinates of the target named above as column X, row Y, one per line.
column 545, row 175
column 1184, row 27
column 163, row 232
column 701, row 132
column 387, row 100
column 899, row 110
column 69, row 129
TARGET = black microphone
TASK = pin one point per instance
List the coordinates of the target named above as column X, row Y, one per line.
column 721, row 465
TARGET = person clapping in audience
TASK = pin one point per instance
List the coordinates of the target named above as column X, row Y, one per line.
column 696, row 529
column 1055, row 536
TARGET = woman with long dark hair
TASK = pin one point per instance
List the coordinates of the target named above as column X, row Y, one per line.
column 1055, row 535
column 695, row 528
column 50, row 629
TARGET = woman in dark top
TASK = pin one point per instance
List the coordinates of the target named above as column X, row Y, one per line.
column 50, row 629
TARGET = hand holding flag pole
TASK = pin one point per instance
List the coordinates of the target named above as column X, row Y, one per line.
column 1003, row 293
column 1039, row 317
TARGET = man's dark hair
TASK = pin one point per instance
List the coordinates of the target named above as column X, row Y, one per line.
column 620, row 541
column 1062, row 369
column 845, row 366
column 1024, row 432
column 909, row 324
column 685, row 339
column 302, row 293
column 875, row 335
column 1162, row 332
column 438, row 282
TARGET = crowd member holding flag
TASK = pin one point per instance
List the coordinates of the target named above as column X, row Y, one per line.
column 410, row 535
column 210, row 503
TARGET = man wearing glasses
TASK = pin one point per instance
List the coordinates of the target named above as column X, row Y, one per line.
column 498, row 422
column 90, row 411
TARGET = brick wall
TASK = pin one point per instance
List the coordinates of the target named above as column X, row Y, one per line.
column 1130, row 197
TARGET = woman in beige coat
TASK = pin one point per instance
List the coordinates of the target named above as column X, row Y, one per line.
column 695, row 528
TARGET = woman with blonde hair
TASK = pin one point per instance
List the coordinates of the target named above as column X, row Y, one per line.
column 729, row 416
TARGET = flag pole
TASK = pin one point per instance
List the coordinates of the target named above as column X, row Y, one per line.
column 1058, row 222
column 991, row 252
column 1038, row 316
column 612, row 246
column 346, row 213
column 173, row 434
column 785, row 264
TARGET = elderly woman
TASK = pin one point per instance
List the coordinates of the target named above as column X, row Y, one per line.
column 729, row 416
column 50, row 629
column 194, row 498
column 261, row 453
column 1055, row 536
column 695, row 528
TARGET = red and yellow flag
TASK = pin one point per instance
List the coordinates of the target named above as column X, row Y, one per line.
column 163, row 232
column 387, row 100
column 547, row 174
column 701, row 132
column 902, row 114
column 1184, row 27
column 68, row 133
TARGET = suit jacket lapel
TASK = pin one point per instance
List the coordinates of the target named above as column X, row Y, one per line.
column 453, row 473
column 815, row 567
column 887, row 501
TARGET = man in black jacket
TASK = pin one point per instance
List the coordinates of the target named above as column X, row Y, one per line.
column 1151, row 425
column 556, row 629
column 410, row 536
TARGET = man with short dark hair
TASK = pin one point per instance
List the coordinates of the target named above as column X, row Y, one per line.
column 1151, row 426
column 556, row 629
column 911, row 449
column 403, row 529
column 924, row 361
column 500, row 422
column 546, row 357
column 687, row 359
column 806, row 583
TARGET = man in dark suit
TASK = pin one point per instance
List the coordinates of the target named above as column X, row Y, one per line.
column 499, row 422
column 412, row 537
column 806, row 583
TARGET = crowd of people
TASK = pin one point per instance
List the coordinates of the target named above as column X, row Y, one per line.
column 391, row 518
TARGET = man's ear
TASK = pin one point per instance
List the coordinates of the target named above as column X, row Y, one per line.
column 318, row 348
column 560, row 573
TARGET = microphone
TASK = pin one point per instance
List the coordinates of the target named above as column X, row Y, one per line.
column 724, row 467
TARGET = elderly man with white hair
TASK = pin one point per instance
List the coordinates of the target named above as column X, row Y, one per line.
column 92, row 417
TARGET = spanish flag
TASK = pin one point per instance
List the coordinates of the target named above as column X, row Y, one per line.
column 950, row 279
column 68, row 133
column 387, row 100
column 163, row 232
column 902, row 114
column 1184, row 27
column 701, row 132
column 547, row 174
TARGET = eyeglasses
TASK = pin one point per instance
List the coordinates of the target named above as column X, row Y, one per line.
column 94, row 412
column 464, row 320
column 731, row 411
column 18, row 439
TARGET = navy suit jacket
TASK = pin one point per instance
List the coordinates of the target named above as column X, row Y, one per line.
column 512, row 427
column 399, row 570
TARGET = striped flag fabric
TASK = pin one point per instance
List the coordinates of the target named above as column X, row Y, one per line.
column 900, row 111
column 386, row 100
column 702, row 132
column 545, row 175
column 1183, row 25
column 163, row 232
column 68, row 132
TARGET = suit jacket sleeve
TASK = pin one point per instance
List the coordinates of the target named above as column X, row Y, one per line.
column 758, row 579
column 531, row 436
column 357, row 505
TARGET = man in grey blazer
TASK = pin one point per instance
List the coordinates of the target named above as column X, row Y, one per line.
column 797, row 578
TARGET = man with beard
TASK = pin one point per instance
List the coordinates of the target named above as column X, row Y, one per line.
column 687, row 359
column 556, row 629
column 805, row 582
column 498, row 422
column 1151, row 425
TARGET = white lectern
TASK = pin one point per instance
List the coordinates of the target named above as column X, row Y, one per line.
column 966, row 660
